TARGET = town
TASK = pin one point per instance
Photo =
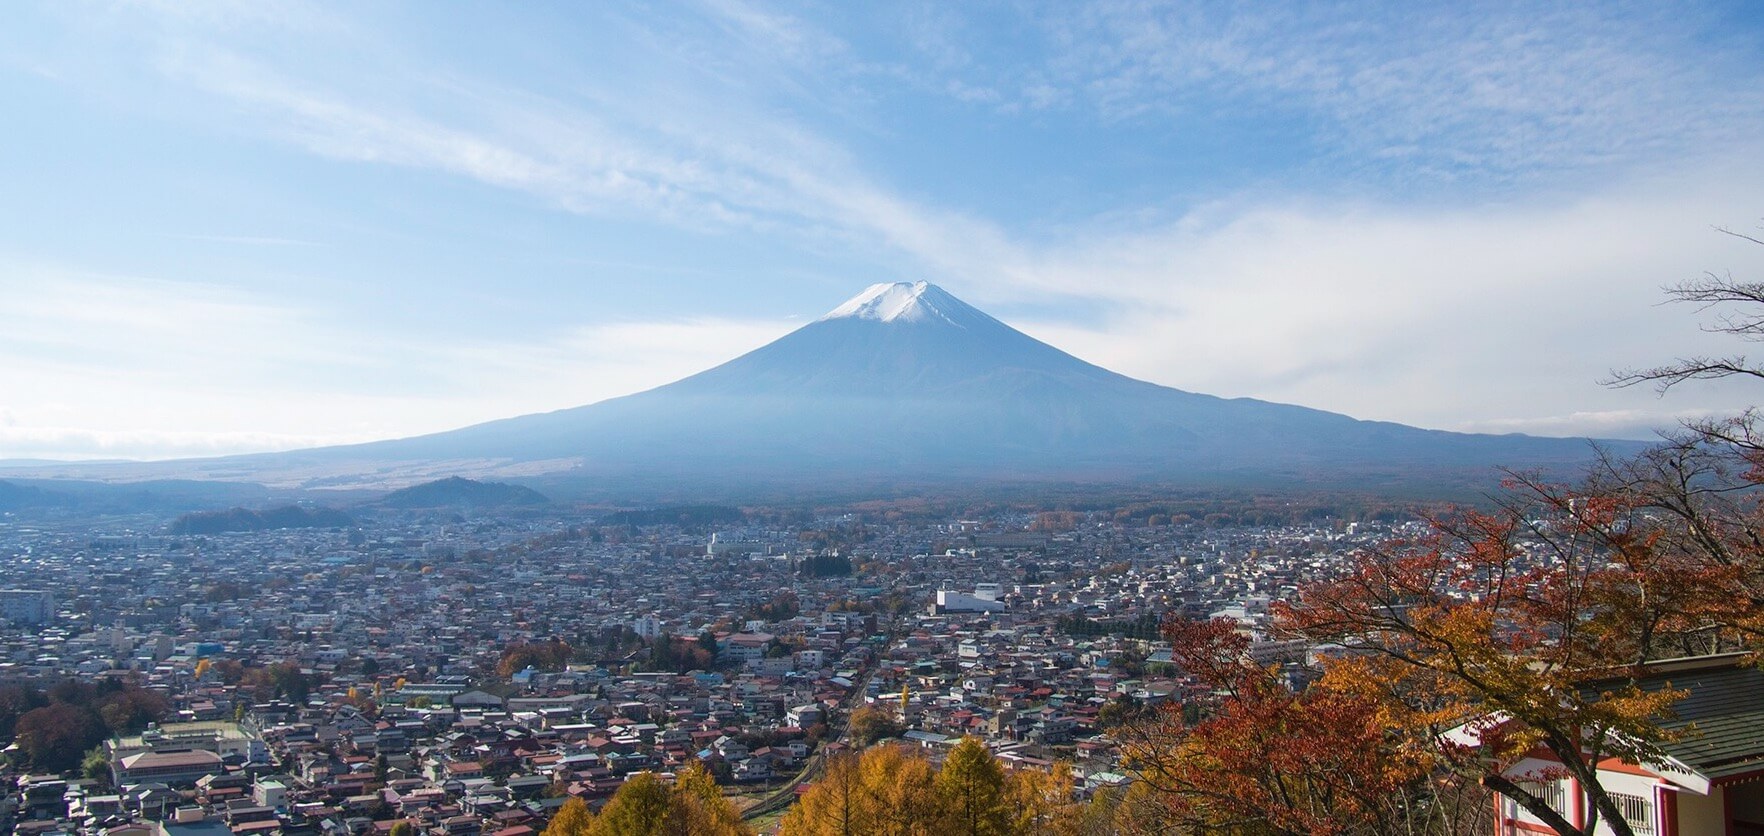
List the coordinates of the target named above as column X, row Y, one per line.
column 469, row 674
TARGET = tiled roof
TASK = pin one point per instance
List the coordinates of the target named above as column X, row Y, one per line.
column 1722, row 720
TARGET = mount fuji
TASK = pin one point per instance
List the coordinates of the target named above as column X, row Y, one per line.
column 902, row 385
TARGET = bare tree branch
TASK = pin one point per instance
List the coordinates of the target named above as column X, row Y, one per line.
column 1709, row 292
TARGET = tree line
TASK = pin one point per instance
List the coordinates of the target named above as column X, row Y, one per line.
column 646, row 806
column 54, row 729
column 895, row 789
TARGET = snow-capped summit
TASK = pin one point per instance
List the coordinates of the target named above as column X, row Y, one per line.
column 906, row 302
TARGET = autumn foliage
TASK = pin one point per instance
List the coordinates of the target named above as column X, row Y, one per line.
column 1267, row 759
column 53, row 730
column 1501, row 633
column 893, row 789
column 553, row 655
column 1451, row 657
column 645, row 806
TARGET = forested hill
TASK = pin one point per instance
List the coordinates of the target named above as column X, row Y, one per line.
column 245, row 519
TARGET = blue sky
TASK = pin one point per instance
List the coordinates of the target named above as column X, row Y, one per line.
column 248, row 226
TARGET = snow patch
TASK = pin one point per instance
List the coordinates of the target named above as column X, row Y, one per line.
column 901, row 302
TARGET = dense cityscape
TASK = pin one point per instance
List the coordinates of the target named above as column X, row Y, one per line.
column 804, row 418
column 473, row 673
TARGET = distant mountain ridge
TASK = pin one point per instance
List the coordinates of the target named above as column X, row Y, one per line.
column 269, row 519
column 455, row 492
column 906, row 385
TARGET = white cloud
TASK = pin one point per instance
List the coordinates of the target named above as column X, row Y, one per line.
column 113, row 366
column 1468, row 319
column 78, row 443
column 1457, row 312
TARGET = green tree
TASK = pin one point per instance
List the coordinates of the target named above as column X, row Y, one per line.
column 661, row 653
column 96, row 765
column 404, row 828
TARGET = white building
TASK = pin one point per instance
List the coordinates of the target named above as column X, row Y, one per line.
column 26, row 606
column 983, row 600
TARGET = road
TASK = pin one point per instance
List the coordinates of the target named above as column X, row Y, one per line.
column 811, row 769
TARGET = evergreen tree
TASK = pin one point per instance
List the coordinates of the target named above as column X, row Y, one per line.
column 697, row 806
column 572, row 819
column 971, row 792
column 834, row 806
column 898, row 784
column 639, row 808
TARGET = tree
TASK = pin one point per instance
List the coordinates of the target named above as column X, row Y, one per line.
column 55, row 737
column 1718, row 292
column 1654, row 556
column 1134, row 808
column 1264, row 759
column 1121, row 710
column 15, row 701
column 834, row 806
column 1041, row 802
column 899, row 786
column 96, row 766
column 1528, row 627
column 886, row 790
column 697, row 807
column 404, row 828
column 281, row 679
column 1505, row 616
column 130, row 708
column 892, row 789
column 869, row 724
column 639, row 808
column 971, row 790
column 572, row 819
column 550, row 655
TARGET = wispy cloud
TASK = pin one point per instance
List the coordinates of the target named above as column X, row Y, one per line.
column 118, row 366
column 1472, row 90
column 1483, row 93
column 1486, row 200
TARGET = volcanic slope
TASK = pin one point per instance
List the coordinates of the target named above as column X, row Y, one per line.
column 905, row 382
column 902, row 387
